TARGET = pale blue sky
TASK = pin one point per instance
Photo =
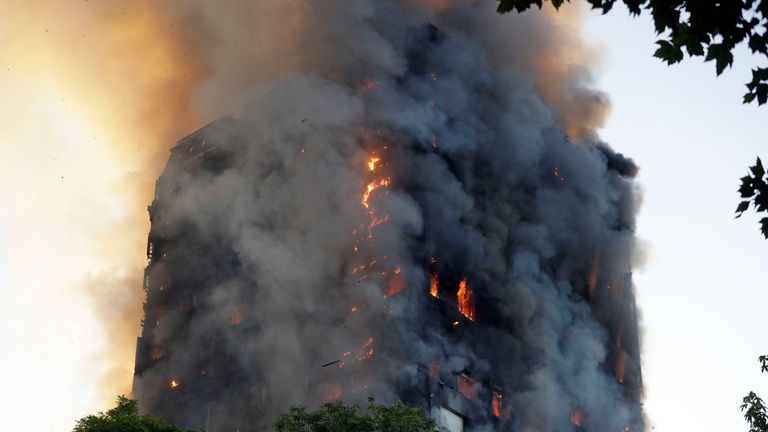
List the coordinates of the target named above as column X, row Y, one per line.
column 702, row 289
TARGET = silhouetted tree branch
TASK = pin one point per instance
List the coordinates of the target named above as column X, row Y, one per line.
column 698, row 28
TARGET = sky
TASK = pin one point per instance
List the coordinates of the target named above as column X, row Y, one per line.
column 700, row 289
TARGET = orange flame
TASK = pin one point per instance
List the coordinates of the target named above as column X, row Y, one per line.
column 365, row 84
column 372, row 186
column 333, row 392
column 467, row 386
column 237, row 317
column 496, row 404
column 433, row 285
column 367, row 351
column 175, row 383
column 372, row 161
column 577, row 416
column 466, row 302
column 621, row 366
column 396, row 282
column 592, row 282
column 157, row 352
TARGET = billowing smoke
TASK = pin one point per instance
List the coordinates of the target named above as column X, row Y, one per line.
column 382, row 144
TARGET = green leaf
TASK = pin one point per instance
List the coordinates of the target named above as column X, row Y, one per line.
column 743, row 206
column 764, row 227
column 762, row 93
column 668, row 52
column 695, row 48
column 757, row 170
column 721, row 55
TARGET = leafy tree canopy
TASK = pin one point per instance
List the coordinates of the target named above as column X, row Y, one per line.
column 337, row 417
column 123, row 418
column 754, row 407
column 700, row 28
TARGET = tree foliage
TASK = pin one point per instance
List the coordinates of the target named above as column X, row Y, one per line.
column 337, row 417
column 754, row 190
column 754, row 407
column 123, row 418
column 698, row 28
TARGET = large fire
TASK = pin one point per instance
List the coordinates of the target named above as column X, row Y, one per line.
column 466, row 302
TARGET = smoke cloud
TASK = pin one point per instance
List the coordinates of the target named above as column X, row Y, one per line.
column 487, row 160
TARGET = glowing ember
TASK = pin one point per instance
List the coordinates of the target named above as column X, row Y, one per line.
column 367, row 351
column 175, row 383
column 496, row 404
column 333, row 392
column 365, row 84
column 466, row 302
column 577, row 416
column 375, row 221
column 556, row 172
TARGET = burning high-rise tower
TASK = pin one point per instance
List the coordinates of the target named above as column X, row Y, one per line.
column 411, row 221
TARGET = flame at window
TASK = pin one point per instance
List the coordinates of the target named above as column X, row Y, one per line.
column 577, row 416
column 157, row 352
column 621, row 366
column 496, row 404
column 466, row 386
column 433, row 285
column 466, row 302
column 237, row 317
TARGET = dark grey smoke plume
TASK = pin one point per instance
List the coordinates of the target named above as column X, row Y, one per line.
column 483, row 183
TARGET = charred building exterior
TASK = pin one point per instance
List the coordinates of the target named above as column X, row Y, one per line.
column 467, row 258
